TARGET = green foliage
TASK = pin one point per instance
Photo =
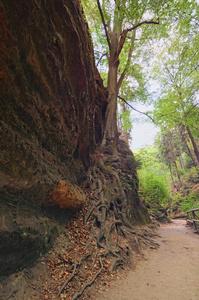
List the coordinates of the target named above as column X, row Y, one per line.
column 155, row 184
column 169, row 146
column 191, row 176
column 179, row 78
column 124, row 116
column 153, row 176
column 188, row 163
column 133, row 163
column 176, row 41
column 154, row 187
column 149, row 160
column 189, row 202
column 187, row 197
column 128, row 181
column 175, row 59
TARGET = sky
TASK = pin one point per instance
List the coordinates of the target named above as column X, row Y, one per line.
column 144, row 131
column 143, row 134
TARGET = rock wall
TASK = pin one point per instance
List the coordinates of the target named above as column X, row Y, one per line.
column 52, row 113
column 52, row 105
column 48, row 96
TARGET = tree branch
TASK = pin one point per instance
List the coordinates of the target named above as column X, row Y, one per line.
column 128, row 62
column 142, row 23
column 121, row 42
column 104, row 54
column 171, row 76
column 104, row 24
column 191, row 108
column 194, row 69
column 124, row 35
column 137, row 110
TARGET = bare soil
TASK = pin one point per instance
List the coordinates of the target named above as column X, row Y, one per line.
column 170, row 272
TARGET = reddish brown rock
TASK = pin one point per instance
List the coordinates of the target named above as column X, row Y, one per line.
column 66, row 195
column 52, row 106
column 51, row 97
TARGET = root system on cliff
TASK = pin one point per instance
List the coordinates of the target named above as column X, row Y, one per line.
column 106, row 235
column 103, row 236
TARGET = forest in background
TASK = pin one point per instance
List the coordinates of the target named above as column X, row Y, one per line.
column 156, row 47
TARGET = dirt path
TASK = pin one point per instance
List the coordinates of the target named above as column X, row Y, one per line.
column 169, row 273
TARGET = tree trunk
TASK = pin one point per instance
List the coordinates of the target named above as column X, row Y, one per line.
column 111, row 131
column 174, row 156
column 183, row 139
column 194, row 144
column 124, row 132
column 176, row 167
column 171, row 175
column 181, row 162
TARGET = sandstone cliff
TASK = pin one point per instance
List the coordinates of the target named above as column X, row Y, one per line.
column 51, row 116
column 48, row 96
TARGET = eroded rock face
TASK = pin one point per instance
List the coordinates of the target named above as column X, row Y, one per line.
column 52, row 105
column 25, row 236
column 49, row 95
column 66, row 195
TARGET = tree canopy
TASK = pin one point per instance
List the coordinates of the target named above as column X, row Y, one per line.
column 124, row 34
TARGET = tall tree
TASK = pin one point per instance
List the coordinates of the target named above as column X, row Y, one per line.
column 179, row 77
column 126, row 24
column 124, row 124
column 123, row 22
column 183, row 137
column 169, row 152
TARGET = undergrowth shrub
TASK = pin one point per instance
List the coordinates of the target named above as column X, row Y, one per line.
column 154, row 187
column 191, row 176
column 191, row 200
column 188, row 203
column 187, row 197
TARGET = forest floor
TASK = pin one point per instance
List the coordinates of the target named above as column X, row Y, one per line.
column 170, row 272
column 159, row 273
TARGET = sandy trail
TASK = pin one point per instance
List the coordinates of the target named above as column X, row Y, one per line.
column 169, row 273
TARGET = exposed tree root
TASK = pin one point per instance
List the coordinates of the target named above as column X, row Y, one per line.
column 89, row 283
column 76, row 264
column 117, row 262
column 68, row 280
column 110, row 235
column 91, row 210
